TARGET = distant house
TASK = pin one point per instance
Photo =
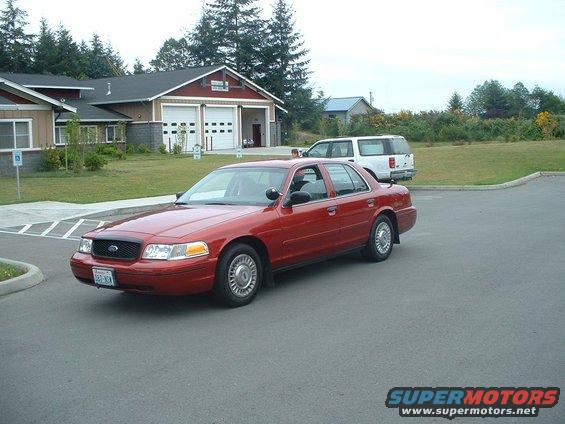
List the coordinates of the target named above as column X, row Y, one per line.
column 213, row 106
column 343, row 108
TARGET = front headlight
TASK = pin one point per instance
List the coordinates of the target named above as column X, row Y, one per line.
column 173, row 252
column 85, row 245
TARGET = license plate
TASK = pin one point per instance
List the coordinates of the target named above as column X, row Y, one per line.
column 104, row 277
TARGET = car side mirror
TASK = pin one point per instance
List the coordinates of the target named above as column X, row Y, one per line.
column 272, row 193
column 392, row 181
column 298, row 198
column 304, row 154
column 179, row 194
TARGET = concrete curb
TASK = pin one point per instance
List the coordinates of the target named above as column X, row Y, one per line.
column 502, row 186
column 126, row 210
column 31, row 278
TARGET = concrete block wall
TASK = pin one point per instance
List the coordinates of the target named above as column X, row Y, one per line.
column 31, row 162
column 148, row 133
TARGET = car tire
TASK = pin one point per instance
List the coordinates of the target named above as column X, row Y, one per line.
column 381, row 240
column 239, row 275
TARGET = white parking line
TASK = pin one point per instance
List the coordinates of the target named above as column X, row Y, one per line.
column 39, row 235
column 48, row 230
column 24, row 229
column 73, row 228
column 101, row 223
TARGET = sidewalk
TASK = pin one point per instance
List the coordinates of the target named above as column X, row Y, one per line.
column 35, row 212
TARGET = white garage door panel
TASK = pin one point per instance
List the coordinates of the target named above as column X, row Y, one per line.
column 174, row 117
column 219, row 127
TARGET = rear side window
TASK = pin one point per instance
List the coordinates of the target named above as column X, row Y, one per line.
column 345, row 179
column 371, row 147
column 342, row 149
column 400, row 146
column 319, row 151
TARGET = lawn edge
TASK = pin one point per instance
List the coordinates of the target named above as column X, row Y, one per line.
column 32, row 277
column 501, row 186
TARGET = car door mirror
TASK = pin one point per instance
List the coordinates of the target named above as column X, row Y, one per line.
column 298, row 198
column 179, row 194
column 272, row 193
column 304, row 154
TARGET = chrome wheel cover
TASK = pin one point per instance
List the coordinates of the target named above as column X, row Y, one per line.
column 242, row 275
column 383, row 238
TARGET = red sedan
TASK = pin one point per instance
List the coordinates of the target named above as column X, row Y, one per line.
column 241, row 223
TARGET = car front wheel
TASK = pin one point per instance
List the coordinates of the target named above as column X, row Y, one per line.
column 381, row 240
column 238, row 276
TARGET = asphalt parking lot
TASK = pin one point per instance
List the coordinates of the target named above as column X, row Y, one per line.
column 473, row 296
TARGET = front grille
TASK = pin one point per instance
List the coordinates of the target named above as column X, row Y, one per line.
column 116, row 249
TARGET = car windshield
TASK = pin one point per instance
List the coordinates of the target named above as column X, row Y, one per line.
column 235, row 186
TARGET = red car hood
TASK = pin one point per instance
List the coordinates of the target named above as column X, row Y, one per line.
column 177, row 220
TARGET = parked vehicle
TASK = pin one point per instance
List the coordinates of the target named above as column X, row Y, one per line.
column 241, row 223
column 385, row 157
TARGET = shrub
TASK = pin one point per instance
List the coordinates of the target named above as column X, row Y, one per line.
column 50, row 159
column 109, row 150
column 177, row 149
column 130, row 148
column 162, row 149
column 142, row 148
column 93, row 161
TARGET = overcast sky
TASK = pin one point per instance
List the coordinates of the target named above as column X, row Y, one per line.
column 410, row 54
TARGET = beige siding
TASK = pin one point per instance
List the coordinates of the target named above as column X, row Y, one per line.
column 42, row 124
column 139, row 112
column 211, row 102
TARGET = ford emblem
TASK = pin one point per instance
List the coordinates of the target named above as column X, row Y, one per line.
column 112, row 248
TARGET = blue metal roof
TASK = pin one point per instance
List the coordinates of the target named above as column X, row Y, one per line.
column 342, row 104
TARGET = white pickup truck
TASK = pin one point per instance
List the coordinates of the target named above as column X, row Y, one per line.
column 385, row 157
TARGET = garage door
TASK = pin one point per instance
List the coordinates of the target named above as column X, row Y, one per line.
column 219, row 128
column 178, row 121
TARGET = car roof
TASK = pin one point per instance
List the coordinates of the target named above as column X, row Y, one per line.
column 365, row 137
column 280, row 163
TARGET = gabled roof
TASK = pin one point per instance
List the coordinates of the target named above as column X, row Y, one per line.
column 90, row 113
column 46, row 81
column 343, row 104
column 147, row 87
column 11, row 85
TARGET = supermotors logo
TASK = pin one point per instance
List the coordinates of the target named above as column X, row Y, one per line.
column 452, row 402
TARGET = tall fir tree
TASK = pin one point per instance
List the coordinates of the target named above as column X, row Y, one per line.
column 68, row 57
column 455, row 103
column 138, row 67
column 172, row 55
column 96, row 59
column 44, row 61
column 204, row 41
column 16, row 45
column 242, row 34
column 285, row 64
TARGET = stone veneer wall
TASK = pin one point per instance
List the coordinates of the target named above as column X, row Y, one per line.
column 148, row 133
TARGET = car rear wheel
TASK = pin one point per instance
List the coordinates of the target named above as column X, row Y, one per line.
column 381, row 240
column 238, row 276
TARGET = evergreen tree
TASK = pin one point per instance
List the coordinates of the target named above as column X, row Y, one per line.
column 96, row 59
column 204, row 41
column 242, row 34
column 68, row 57
column 114, row 63
column 285, row 66
column 45, row 50
column 138, row 67
column 17, row 46
column 172, row 55
column 547, row 101
column 455, row 102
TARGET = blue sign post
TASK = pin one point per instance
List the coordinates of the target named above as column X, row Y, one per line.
column 17, row 160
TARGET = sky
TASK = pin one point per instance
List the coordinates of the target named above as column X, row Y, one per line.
column 412, row 55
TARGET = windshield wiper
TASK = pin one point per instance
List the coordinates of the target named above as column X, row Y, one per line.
column 181, row 203
column 217, row 203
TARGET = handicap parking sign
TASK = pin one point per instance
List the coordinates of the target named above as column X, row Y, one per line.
column 17, row 157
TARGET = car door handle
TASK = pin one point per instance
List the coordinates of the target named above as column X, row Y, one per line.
column 351, row 160
column 331, row 210
column 371, row 202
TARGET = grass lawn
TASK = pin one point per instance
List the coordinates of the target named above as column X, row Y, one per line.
column 155, row 174
column 486, row 163
column 9, row 271
column 137, row 176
